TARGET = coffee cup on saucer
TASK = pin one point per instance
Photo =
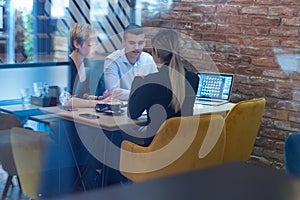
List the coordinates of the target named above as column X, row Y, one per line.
column 115, row 106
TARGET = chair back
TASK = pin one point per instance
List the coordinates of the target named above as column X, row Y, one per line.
column 8, row 121
column 28, row 150
column 242, row 125
column 181, row 144
column 292, row 154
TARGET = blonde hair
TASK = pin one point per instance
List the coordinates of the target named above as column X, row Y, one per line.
column 80, row 32
column 166, row 42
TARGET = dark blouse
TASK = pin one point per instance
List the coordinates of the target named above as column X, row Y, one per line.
column 153, row 94
column 78, row 88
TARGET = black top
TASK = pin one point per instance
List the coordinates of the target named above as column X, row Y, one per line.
column 153, row 93
column 78, row 88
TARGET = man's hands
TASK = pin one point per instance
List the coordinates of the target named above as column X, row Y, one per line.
column 116, row 94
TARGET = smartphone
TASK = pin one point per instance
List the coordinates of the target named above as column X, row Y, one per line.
column 89, row 116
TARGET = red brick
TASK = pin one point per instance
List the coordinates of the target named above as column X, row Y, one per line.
column 215, row 56
column 295, row 116
column 284, row 32
column 259, row 81
column 205, row 27
column 193, row 17
column 273, row 133
column 254, row 51
column 268, row 2
column 249, row 70
column 237, row 39
column 277, row 114
column 279, row 93
column 192, row 53
column 182, row 7
column 296, row 75
column 260, row 31
column 269, row 62
column 240, row 20
column 197, row 36
column 290, row 43
column 171, row 15
column 158, row 23
column 214, row 37
column 254, row 10
column 286, row 84
column 246, row 59
column 240, row 1
column 295, row 21
column 228, row 29
column 199, row 1
column 183, row 25
column 249, row 90
column 265, row 42
column 264, row 142
column 226, row 48
column 219, row 19
column 204, row 9
column 225, row 68
column 228, row 9
column 273, row 154
column 283, row 11
column 275, row 74
column 206, row 66
column 265, row 21
column 238, row 78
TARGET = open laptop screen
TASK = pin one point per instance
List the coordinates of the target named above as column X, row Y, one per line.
column 214, row 86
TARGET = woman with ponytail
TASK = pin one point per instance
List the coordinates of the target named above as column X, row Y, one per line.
column 168, row 93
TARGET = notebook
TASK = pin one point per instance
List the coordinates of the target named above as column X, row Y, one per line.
column 214, row 89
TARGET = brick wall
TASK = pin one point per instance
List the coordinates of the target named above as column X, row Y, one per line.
column 245, row 37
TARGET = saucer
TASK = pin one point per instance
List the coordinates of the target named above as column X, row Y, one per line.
column 112, row 112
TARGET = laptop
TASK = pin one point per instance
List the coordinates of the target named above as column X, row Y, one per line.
column 214, row 89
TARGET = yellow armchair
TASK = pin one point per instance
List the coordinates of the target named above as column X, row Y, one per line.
column 181, row 144
column 242, row 124
column 8, row 121
column 28, row 148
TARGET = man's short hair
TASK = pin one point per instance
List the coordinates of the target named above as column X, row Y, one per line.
column 133, row 29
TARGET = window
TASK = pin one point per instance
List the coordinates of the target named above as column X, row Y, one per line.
column 38, row 31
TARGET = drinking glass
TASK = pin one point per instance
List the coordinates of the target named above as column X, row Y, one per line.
column 64, row 97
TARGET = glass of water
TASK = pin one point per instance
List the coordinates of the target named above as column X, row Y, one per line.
column 64, row 97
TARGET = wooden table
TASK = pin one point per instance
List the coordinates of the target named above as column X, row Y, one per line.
column 113, row 123
column 106, row 122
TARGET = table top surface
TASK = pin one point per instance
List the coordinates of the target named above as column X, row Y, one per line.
column 106, row 122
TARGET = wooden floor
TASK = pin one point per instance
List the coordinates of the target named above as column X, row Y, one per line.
column 14, row 192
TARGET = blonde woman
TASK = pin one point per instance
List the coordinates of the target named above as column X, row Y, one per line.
column 82, row 43
column 168, row 93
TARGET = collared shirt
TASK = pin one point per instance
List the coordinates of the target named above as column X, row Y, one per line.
column 119, row 73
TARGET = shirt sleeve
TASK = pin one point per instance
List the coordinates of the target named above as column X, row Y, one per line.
column 111, row 74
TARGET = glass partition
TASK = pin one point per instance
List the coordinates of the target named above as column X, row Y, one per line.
column 38, row 31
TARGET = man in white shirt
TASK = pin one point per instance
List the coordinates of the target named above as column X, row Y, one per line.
column 121, row 66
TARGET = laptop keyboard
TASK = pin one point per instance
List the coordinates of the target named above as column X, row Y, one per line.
column 212, row 102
